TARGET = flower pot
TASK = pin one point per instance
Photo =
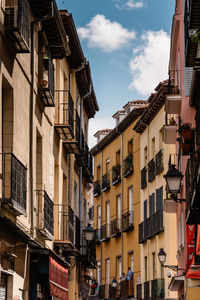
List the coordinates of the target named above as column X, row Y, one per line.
column 185, row 148
column 186, row 134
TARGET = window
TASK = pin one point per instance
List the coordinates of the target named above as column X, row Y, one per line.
column 154, row 265
column 153, row 149
column 131, row 261
column 159, row 199
column 98, row 173
column 160, row 139
column 151, row 205
column 145, row 209
column 76, row 202
column 107, row 277
column 145, row 268
column 130, row 204
column 130, row 147
column 118, row 157
column 108, row 166
column 99, row 217
column 108, row 219
column 119, row 211
column 118, row 267
column 145, row 156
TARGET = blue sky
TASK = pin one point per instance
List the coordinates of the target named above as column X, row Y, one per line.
column 127, row 43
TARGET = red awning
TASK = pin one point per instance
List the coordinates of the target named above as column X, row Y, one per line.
column 58, row 278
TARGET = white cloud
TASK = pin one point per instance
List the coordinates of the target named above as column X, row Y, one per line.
column 105, row 34
column 149, row 64
column 128, row 5
column 99, row 123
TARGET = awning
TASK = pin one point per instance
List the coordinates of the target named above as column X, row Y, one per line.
column 176, row 282
column 58, row 279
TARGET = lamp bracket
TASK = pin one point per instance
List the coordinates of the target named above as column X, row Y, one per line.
column 173, row 267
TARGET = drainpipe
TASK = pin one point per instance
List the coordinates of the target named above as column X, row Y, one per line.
column 101, row 215
column 31, row 129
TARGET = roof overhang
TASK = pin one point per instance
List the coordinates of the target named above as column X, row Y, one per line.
column 47, row 13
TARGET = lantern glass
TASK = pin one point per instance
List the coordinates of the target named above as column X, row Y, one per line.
column 173, row 180
column 89, row 233
column 162, row 256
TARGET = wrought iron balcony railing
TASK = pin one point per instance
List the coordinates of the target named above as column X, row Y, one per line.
column 158, row 289
column 192, row 25
column 76, row 145
column 159, row 162
column 151, row 227
column 105, row 232
column 116, row 174
column 17, row 24
column 87, row 164
column 88, row 254
column 127, row 221
column 14, row 184
column 128, row 166
column 115, row 227
column 46, row 78
column 64, row 120
column 45, row 215
column 151, row 170
column 97, row 188
column 65, row 219
column 106, row 182
column 77, row 233
column 146, row 290
column 143, row 178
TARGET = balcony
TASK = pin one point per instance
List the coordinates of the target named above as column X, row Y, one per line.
column 76, row 145
column 106, row 182
column 127, row 289
column 14, row 185
column 173, row 99
column 158, row 289
column 139, row 291
column 128, row 166
column 146, row 290
column 151, row 227
column 170, row 129
column 105, row 232
column 151, row 170
column 64, row 120
column 17, row 24
column 127, row 221
column 143, row 178
column 64, row 218
column 192, row 24
column 159, row 162
column 97, row 188
column 115, row 227
column 45, row 215
column 116, row 174
column 46, row 79
column 87, row 164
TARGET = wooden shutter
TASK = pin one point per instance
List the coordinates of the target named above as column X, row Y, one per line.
column 145, row 209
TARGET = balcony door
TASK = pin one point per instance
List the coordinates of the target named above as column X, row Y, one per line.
column 130, row 199
column 119, row 211
column 108, row 218
column 99, row 220
column 99, row 273
column 107, row 277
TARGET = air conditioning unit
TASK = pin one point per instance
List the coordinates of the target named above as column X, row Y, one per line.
column 11, row 17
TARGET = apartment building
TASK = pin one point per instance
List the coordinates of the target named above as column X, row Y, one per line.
column 117, row 203
column 157, row 230
column 47, row 99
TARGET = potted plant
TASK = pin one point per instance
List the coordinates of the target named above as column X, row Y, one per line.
column 185, row 131
column 185, row 148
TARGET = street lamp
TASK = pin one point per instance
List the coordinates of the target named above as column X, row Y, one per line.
column 173, row 180
column 162, row 258
column 89, row 233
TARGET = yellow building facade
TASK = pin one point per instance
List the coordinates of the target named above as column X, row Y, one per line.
column 157, row 229
column 117, row 202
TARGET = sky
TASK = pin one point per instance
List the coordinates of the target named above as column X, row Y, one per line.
column 127, row 43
